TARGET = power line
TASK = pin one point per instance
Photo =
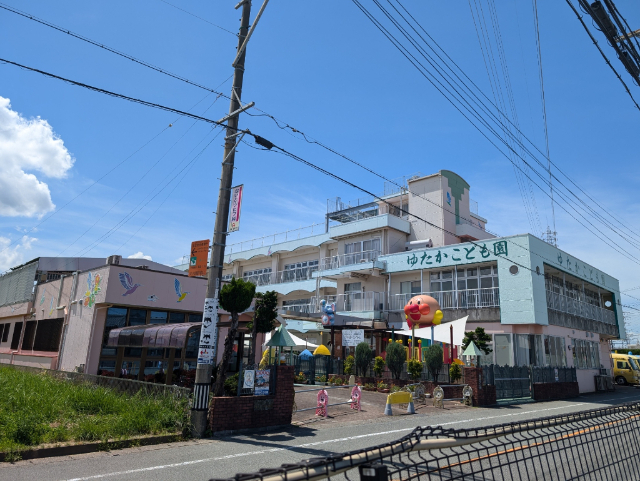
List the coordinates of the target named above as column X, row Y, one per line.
column 112, row 50
column 473, row 113
column 595, row 42
column 198, row 17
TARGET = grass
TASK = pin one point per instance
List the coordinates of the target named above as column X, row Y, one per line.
column 37, row 409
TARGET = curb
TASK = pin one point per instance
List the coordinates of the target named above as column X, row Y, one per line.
column 93, row 447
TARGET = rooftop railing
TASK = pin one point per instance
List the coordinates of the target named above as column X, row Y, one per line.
column 579, row 308
column 335, row 262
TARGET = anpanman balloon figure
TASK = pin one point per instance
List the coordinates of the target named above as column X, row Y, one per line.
column 423, row 311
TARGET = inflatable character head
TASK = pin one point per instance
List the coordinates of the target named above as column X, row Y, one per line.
column 423, row 311
column 328, row 311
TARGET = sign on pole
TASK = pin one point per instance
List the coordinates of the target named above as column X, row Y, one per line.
column 261, row 382
column 352, row 337
column 198, row 258
column 234, row 211
column 209, row 333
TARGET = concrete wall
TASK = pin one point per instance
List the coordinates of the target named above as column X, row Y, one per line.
column 425, row 201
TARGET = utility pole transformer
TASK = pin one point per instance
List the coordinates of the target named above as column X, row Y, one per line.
column 207, row 352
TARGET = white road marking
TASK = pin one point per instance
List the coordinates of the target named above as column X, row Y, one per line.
column 328, row 441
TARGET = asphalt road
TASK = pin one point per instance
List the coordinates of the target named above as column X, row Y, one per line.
column 224, row 457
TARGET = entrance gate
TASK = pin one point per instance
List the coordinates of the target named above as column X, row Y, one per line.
column 513, row 383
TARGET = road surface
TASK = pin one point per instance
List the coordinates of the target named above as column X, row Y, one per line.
column 223, row 457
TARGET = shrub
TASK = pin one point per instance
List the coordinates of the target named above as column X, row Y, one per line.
column 231, row 385
column 349, row 363
column 394, row 389
column 433, row 360
column 396, row 357
column 414, row 368
column 363, row 358
column 382, row 385
column 455, row 373
column 378, row 366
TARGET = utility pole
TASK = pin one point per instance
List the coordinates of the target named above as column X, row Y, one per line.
column 208, row 345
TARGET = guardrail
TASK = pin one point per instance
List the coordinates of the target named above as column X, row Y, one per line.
column 561, row 303
column 463, row 299
column 596, row 444
column 354, row 258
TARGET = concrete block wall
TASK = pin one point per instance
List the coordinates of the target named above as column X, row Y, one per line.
column 555, row 390
column 482, row 395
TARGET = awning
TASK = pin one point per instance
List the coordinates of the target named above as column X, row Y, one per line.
column 152, row 335
column 299, row 343
column 442, row 332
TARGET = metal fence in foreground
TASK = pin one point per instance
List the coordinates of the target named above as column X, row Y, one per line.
column 601, row 444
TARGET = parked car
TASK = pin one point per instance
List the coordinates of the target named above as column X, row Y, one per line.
column 625, row 369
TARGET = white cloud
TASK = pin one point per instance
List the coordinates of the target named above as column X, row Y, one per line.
column 139, row 255
column 28, row 145
column 14, row 255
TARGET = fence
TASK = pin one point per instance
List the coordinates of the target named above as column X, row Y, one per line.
column 553, row 374
column 458, row 299
column 126, row 386
column 590, row 445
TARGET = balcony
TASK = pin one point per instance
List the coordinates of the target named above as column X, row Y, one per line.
column 568, row 305
column 299, row 308
column 358, row 301
column 282, row 277
column 467, row 299
column 355, row 258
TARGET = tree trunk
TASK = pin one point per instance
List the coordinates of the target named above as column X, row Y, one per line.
column 228, row 349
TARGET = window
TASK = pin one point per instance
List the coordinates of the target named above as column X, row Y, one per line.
column 528, row 350
column 362, row 251
column 586, row 354
column 176, row 317
column 299, row 270
column 195, row 317
column 3, row 327
column 107, row 368
column 137, row 317
column 555, row 351
column 441, row 281
column 352, row 287
column 116, row 317
column 48, row 334
column 29, row 335
column 410, row 287
column 15, row 340
column 227, row 277
column 158, row 317
column 193, row 340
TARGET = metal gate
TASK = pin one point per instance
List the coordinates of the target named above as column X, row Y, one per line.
column 513, row 383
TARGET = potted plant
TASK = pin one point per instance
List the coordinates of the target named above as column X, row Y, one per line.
column 455, row 373
column 300, row 378
column 369, row 387
column 382, row 387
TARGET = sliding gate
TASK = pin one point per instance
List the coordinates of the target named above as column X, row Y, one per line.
column 513, row 383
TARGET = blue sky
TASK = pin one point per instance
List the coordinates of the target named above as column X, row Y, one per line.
column 323, row 68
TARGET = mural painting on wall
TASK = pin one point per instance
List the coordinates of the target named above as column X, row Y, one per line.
column 42, row 298
column 93, row 287
column 423, row 311
column 127, row 282
column 51, row 307
column 181, row 295
column 152, row 298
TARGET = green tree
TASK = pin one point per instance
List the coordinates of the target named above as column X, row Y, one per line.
column 235, row 297
column 264, row 319
column 396, row 357
column 364, row 354
column 455, row 372
column 480, row 338
column 433, row 358
column 349, row 363
column 378, row 365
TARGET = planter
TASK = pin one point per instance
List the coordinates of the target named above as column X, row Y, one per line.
column 385, row 391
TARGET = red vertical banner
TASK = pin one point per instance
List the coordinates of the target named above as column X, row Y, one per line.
column 234, row 210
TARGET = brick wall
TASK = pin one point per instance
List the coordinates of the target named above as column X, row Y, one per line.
column 253, row 412
column 482, row 395
column 555, row 390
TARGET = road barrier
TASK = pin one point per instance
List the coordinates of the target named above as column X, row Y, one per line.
column 323, row 399
column 400, row 397
column 600, row 444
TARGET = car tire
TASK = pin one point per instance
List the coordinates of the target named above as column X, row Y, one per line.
column 621, row 381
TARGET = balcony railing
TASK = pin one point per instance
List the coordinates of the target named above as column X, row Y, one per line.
column 568, row 305
column 281, row 277
column 335, row 262
column 467, row 299
column 302, row 308
column 358, row 301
